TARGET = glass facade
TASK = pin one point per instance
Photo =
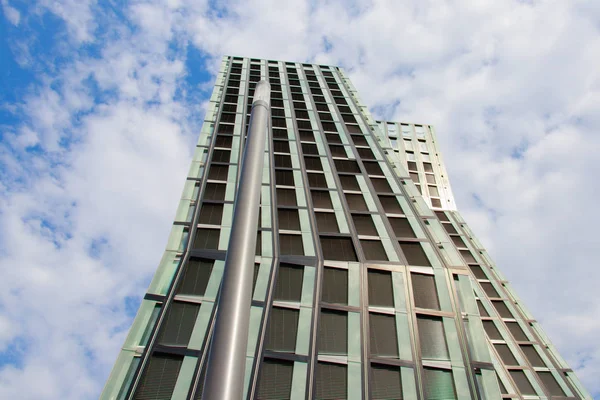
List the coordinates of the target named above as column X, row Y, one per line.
column 368, row 284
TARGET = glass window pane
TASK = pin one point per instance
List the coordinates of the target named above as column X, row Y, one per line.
column 356, row 202
column 402, row 227
column 432, row 338
column 439, row 384
column 522, row 382
column 331, row 381
column 550, row 382
column 327, row 222
column 381, row 292
column 424, row 291
column 178, row 324
column 159, row 377
column 491, row 330
column 386, row 382
column 335, row 285
column 532, row 355
column 288, row 219
column 338, row 248
column 333, row 332
column 286, row 197
column 321, row 199
column 384, row 340
column 506, row 354
column 275, row 382
column 516, row 331
column 206, row 239
column 211, row 213
column 364, row 224
column 413, row 251
column 282, row 330
column 289, row 282
column 373, row 250
column 290, row 245
column 195, row 277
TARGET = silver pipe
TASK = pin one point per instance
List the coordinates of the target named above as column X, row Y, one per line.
column 227, row 355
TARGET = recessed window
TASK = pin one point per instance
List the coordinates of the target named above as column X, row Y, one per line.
column 381, row 292
column 282, row 161
column 337, row 150
column 359, row 140
column 381, row 185
column 317, row 180
column 550, row 382
column 279, row 133
column 290, row 245
column 502, row 309
column 333, row 138
column 349, row 182
column 477, row 272
column 402, row 227
column 412, row 166
column 427, row 167
column 356, row 202
column 441, row 216
column 458, row 242
column 282, row 330
column 373, row 250
column 516, row 331
column 430, row 178
column 313, row 163
column 289, row 282
column 310, row 148
column 218, row 172
column 327, row 222
column 331, row 381
column 211, row 213
column 386, row 382
column 163, row 368
column 286, row 197
column 195, row 277
column 390, row 204
column 364, row 224
column 506, row 354
column 468, row 256
column 207, row 239
column 275, row 381
column 482, row 311
column 306, row 136
column 338, row 248
column 522, row 382
column 384, row 340
column 532, row 355
column 414, row 253
column 284, row 178
column 414, row 176
column 178, row 324
column 489, row 289
column 433, row 191
column 438, row 384
column 288, row 219
column 366, row 153
column 221, row 156
column 352, row 128
column 333, row 332
column 491, row 330
column 321, row 199
column 349, row 166
column 432, row 338
column 214, row 191
column 335, row 285
column 372, row 167
column 224, row 141
column 436, row 203
column 424, row 291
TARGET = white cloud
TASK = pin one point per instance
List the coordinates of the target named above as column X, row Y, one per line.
column 512, row 88
column 11, row 13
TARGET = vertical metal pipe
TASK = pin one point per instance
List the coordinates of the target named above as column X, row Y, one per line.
column 227, row 357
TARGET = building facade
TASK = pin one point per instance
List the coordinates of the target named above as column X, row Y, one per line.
column 368, row 284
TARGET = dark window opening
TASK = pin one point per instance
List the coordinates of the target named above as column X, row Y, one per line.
column 381, row 292
column 414, row 253
column 338, row 248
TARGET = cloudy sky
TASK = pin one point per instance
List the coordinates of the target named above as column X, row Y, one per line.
column 100, row 107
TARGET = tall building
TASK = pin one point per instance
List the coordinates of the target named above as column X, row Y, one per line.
column 368, row 284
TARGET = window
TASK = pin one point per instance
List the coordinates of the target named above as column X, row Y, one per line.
column 432, row 338
column 413, row 251
column 206, row 239
column 532, row 355
column 502, row 309
column 412, row 166
column 337, row 151
column 321, row 199
column 335, row 285
column 317, row 180
column 424, row 291
column 414, row 176
column 482, row 311
column 381, row 185
column 433, row 191
column 224, row 141
column 275, row 382
column 211, row 213
column 491, row 330
column 309, row 148
column 286, row 197
column 477, row 272
column 365, row 153
column 550, row 382
column 333, row 332
column 289, row 282
column 285, row 178
column 159, row 377
column 390, row 204
column 384, row 341
column 306, row 136
column 381, row 292
column 458, row 242
column 441, row 216
column 402, row 227
column 331, row 381
column 356, row 202
column 333, row 138
column 467, row 256
column 488, row 288
column 373, row 250
column 427, row 167
column 178, row 324
column 282, row 330
column 359, row 140
column 282, row 161
column 349, row 182
column 195, row 277
column 439, row 384
column 290, row 245
column 288, row 219
column 338, row 248
column 436, row 203
column 221, row 156
column 364, row 224
column 349, row 166
column 522, row 382
column 449, row 228
column 516, row 331
column 505, row 354
column 372, row 167
column 327, row 222
column 313, row 163
column 430, row 178
column 214, row 191
column 386, row 382
column 218, row 172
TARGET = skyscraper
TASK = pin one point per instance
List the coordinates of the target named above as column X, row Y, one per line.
column 368, row 284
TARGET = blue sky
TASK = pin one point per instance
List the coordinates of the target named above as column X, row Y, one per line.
column 100, row 107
